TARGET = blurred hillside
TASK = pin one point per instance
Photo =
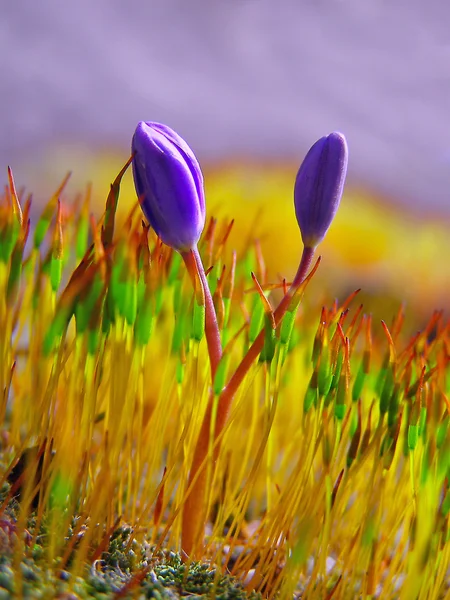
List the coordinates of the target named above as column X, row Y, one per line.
column 396, row 257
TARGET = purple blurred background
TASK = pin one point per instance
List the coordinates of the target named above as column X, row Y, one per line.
column 236, row 78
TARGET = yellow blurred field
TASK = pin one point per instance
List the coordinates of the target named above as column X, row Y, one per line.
column 395, row 256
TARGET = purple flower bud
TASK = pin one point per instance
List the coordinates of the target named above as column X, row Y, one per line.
column 169, row 185
column 318, row 187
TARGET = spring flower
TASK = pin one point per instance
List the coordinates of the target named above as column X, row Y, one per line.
column 169, row 184
column 319, row 185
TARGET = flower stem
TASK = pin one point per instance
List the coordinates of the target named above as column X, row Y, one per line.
column 194, row 506
column 226, row 397
column 196, row 270
column 193, row 519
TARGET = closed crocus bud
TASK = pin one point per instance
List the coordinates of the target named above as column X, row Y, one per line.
column 169, row 184
column 318, row 187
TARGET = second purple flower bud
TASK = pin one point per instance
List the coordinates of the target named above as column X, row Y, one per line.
column 318, row 187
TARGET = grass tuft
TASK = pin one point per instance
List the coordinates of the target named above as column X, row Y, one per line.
column 330, row 479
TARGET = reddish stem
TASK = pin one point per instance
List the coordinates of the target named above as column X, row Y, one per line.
column 226, row 397
column 194, row 506
column 196, row 270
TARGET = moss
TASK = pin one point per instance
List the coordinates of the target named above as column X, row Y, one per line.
column 168, row 577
